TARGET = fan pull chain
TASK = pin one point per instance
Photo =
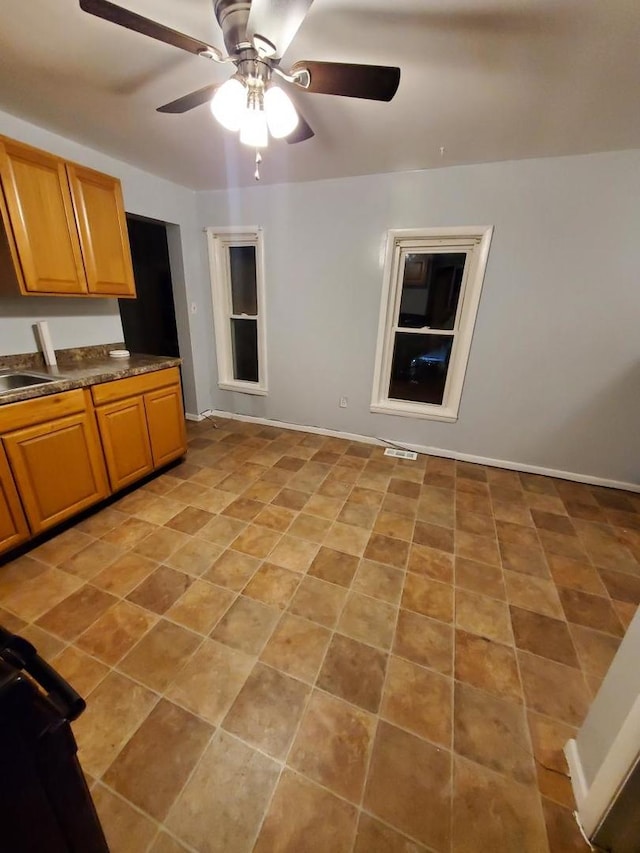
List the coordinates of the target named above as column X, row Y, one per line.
column 256, row 174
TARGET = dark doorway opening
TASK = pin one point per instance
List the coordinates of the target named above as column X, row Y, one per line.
column 149, row 322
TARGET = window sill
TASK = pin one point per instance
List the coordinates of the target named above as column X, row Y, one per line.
column 243, row 388
column 408, row 411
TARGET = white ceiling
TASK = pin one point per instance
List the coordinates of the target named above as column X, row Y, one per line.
column 486, row 79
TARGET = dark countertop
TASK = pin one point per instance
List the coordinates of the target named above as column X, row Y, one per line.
column 72, row 374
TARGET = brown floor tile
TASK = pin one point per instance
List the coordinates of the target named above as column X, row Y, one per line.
column 160, row 544
column 487, row 665
column 221, row 531
column 291, row 499
column 375, row 836
column 404, row 487
column 562, row 830
column 62, row 547
column 186, row 492
column 293, row 553
column 595, row 650
column 84, row 673
column 575, row 575
column 319, row 601
column 275, row 518
column 114, row 633
column 323, row 506
column 101, row 522
column 91, row 560
column 393, row 525
column 332, row 745
column 345, row 537
column 267, row 710
column 364, row 618
column 211, row 680
column 409, row 786
column 297, row 647
column 129, row 533
column 548, row 738
column 552, row 521
column 160, row 655
column 223, row 803
column 160, row 589
column 559, row 543
column 428, row 597
column 553, row 689
column 523, row 559
column 419, row 700
column 310, row 527
column 200, row 607
column 492, row 732
column 592, row 611
column 625, row 612
column 334, row 566
column 37, row 595
column 76, row 612
column 517, row 534
column 354, row 672
column 383, row 549
column 481, row 525
column 621, row 586
column 492, row 812
column 378, row 581
column 246, row 626
column 479, row 577
column 125, row 828
column 434, row 536
column 243, row 508
column 303, row 816
column 481, row 615
column 357, row 515
column 272, row 585
column 424, row 641
column 190, row 520
column 149, row 777
column 535, row 594
column 256, row 541
column 195, row 557
column 549, row 638
column 479, row 548
column 165, row 843
column 115, row 708
column 507, row 511
column 232, row 570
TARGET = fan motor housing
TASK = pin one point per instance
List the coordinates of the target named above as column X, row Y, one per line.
column 232, row 15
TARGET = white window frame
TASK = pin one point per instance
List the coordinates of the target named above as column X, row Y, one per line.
column 475, row 242
column 218, row 241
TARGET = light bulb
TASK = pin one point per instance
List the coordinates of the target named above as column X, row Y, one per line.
column 282, row 117
column 253, row 131
column 229, row 104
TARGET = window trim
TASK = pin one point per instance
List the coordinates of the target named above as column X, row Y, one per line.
column 218, row 241
column 476, row 241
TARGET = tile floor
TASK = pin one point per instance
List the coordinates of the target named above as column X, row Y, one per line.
column 293, row 643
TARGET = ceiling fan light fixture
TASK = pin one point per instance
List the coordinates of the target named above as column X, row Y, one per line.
column 282, row 117
column 253, row 131
column 229, row 103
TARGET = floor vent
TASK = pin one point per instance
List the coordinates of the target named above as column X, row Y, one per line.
column 400, row 454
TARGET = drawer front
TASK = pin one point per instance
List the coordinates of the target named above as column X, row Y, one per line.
column 119, row 389
column 29, row 412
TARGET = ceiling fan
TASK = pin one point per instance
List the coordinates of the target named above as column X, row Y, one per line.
column 256, row 34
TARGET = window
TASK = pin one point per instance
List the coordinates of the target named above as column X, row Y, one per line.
column 237, row 286
column 432, row 283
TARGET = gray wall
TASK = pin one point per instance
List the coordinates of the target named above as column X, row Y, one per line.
column 614, row 700
column 554, row 372
column 77, row 322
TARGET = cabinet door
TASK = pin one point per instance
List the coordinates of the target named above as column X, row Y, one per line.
column 58, row 468
column 99, row 210
column 41, row 214
column 13, row 524
column 125, row 441
column 165, row 419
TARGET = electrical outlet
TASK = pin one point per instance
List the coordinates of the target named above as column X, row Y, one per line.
column 343, row 402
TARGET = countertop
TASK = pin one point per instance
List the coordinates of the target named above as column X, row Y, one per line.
column 79, row 373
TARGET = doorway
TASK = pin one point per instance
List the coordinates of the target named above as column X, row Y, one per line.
column 149, row 322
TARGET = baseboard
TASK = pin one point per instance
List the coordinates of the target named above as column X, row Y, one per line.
column 196, row 418
column 576, row 772
column 433, row 451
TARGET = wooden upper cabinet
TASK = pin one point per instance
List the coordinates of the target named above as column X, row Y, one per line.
column 13, row 525
column 41, row 214
column 102, row 224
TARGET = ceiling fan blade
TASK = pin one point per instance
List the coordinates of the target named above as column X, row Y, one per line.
column 302, row 131
column 188, row 102
column 277, row 21
column 133, row 21
column 373, row 82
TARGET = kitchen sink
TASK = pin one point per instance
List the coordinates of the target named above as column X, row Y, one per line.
column 13, row 380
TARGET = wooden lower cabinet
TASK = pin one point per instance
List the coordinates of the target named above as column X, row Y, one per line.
column 13, row 525
column 165, row 419
column 58, row 468
column 125, row 441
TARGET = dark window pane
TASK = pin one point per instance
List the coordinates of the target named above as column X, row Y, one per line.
column 419, row 367
column 431, row 289
column 244, row 342
column 242, row 263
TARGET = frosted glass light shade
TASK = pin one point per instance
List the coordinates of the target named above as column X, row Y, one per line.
column 229, row 104
column 282, row 117
column 253, row 131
